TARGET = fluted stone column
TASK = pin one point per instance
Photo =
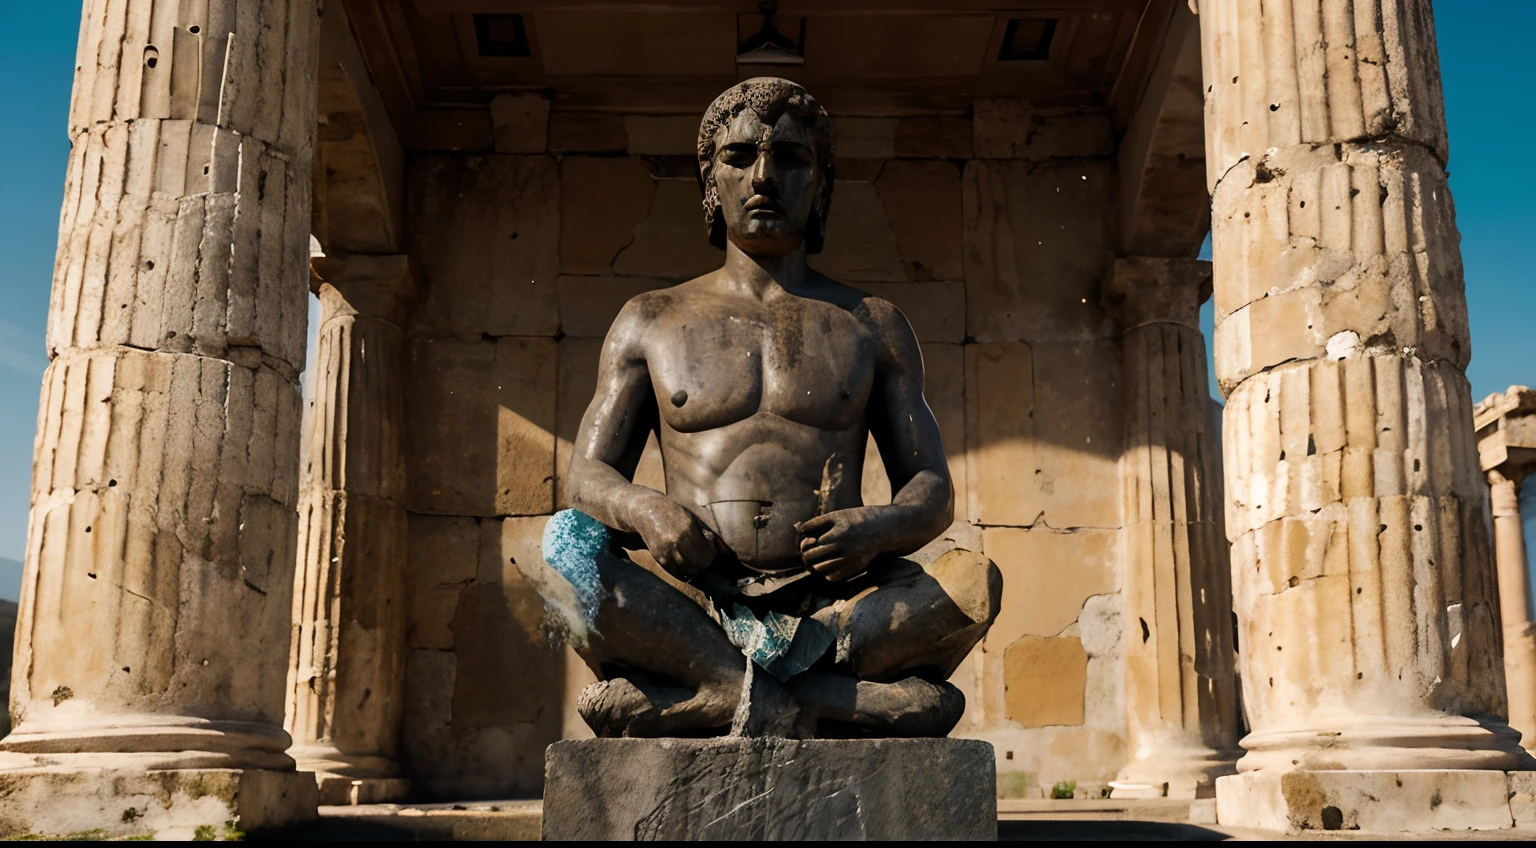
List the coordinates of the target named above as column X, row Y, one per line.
column 348, row 665
column 1506, row 447
column 155, row 605
column 1369, row 627
column 1180, row 694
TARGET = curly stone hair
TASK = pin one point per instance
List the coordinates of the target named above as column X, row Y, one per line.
column 769, row 97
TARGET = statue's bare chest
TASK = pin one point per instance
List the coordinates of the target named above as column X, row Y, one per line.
column 724, row 361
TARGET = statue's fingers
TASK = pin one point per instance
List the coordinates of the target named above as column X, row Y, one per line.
column 820, row 554
column 840, row 569
column 815, row 526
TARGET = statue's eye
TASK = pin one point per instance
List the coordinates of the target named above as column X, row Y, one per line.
column 741, row 156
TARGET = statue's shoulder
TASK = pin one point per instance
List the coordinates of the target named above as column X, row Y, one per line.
column 877, row 312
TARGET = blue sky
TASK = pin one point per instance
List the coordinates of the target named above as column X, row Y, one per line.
column 1485, row 56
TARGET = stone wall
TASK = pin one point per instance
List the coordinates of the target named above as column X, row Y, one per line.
column 992, row 231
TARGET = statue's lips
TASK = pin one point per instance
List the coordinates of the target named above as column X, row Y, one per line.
column 759, row 203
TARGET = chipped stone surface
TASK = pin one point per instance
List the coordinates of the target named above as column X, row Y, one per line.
column 861, row 245
column 603, row 199
column 1047, row 577
column 751, row 789
column 671, row 241
column 1367, row 802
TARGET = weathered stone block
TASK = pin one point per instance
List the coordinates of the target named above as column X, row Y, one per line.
column 935, row 310
column 1036, row 248
column 520, row 123
column 588, row 305
column 1047, row 577
column 453, row 129
column 663, row 135
column 1425, row 801
column 923, row 203
column 671, row 242
column 492, row 262
column 860, row 245
column 587, row 132
column 1001, row 127
column 481, row 426
column 1045, row 429
column 865, row 138
column 770, row 789
column 943, row 137
column 1045, row 679
column 185, row 804
column 602, row 199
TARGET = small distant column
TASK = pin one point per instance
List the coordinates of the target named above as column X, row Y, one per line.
column 1180, row 694
column 347, row 670
column 148, row 675
column 1506, row 446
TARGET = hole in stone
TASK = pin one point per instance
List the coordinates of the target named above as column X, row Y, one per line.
column 1294, row 581
column 1278, row 648
column 1282, row 456
column 1303, row 204
column 1311, row 446
column 1359, row 675
column 111, row 483
column 125, row 669
column 90, row 575
column 1146, row 632
column 87, row 529
column 1415, row 465
column 194, row 29
column 149, row 264
column 1274, row 107
column 1418, row 528
column 151, row 56
column 1008, row 756
column 1333, row 818
column 1359, row 589
column 1271, row 683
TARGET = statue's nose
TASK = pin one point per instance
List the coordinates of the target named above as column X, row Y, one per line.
column 762, row 172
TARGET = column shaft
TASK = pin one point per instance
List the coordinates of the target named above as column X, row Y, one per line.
column 1515, row 604
column 1181, row 700
column 344, row 707
column 160, row 553
column 1363, row 584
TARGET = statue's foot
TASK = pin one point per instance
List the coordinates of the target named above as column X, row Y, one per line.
column 633, row 707
column 834, row 707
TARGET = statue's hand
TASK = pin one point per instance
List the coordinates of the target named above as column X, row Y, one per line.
column 675, row 538
column 841, row 544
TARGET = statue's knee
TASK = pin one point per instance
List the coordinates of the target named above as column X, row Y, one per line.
column 972, row 581
column 573, row 542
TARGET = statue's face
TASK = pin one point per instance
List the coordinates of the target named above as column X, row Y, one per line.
column 767, row 178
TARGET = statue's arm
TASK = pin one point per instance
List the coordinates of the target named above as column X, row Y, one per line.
column 841, row 544
column 922, row 495
column 608, row 447
column 614, row 429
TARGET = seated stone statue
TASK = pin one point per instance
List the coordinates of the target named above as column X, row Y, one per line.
column 799, row 615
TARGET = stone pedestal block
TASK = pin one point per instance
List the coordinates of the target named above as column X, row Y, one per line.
column 182, row 804
column 1408, row 801
column 779, row 789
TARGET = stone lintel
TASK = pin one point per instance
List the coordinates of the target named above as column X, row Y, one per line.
column 182, row 804
column 1407, row 801
column 739, row 789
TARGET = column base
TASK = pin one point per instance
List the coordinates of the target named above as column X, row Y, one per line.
column 184, row 804
column 1186, row 773
column 351, row 779
column 1405, row 801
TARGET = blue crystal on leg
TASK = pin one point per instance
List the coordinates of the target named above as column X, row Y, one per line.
column 573, row 541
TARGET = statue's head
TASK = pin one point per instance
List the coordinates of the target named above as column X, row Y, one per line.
column 766, row 167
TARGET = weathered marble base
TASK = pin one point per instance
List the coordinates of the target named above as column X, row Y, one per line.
column 339, row 790
column 733, row 788
column 1370, row 801
column 182, row 804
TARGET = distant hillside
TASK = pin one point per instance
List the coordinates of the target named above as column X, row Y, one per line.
column 10, row 579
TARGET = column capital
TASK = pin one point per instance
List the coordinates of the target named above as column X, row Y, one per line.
column 365, row 285
column 1145, row 290
column 1506, row 434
